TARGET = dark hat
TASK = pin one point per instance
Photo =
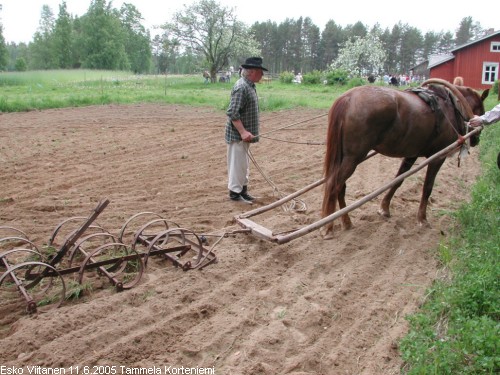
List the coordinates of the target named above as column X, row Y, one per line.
column 253, row 63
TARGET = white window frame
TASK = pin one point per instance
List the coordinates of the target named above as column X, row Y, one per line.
column 495, row 47
column 489, row 69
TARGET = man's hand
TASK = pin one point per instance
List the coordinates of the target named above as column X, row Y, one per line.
column 475, row 121
column 246, row 136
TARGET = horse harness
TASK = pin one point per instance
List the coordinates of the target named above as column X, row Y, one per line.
column 431, row 98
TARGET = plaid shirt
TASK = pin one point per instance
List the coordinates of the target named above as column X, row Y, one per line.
column 244, row 106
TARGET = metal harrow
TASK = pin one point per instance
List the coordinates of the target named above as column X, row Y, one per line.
column 90, row 254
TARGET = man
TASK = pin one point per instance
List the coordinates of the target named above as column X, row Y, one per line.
column 242, row 128
column 488, row 118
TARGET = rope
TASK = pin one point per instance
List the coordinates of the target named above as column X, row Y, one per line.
column 295, row 123
column 309, row 143
column 295, row 204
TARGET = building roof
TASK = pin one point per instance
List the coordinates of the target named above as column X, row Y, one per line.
column 491, row 34
column 435, row 60
column 441, row 59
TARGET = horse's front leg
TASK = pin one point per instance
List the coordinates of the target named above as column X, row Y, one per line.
column 405, row 166
column 430, row 177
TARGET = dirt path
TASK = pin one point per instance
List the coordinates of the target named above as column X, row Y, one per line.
column 306, row 307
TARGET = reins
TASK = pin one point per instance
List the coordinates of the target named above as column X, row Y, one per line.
column 294, row 124
column 459, row 116
column 294, row 204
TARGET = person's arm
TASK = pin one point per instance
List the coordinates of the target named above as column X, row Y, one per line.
column 245, row 135
column 488, row 118
column 236, row 102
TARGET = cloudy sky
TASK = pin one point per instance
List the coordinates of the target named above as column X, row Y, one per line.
column 20, row 18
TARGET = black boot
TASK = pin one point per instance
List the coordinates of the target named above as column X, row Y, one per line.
column 238, row 197
column 245, row 195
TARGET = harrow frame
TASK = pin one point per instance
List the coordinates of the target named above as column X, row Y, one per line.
column 38, row 279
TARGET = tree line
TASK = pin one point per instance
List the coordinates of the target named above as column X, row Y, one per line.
column 209, row 36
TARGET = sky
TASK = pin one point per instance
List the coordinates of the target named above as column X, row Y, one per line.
column 20, row 18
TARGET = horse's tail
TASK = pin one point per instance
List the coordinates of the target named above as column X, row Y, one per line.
column 334, row 154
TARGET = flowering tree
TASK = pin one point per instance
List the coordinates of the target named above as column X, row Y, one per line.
column 361, row 56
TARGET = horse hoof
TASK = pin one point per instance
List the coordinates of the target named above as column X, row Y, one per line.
column 326, row 233
column 424, row 224
column 384, row 213
column 348, row 226
column 328, row 236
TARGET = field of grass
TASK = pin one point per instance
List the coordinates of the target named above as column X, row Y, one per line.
column 457, row 330
column 74, row 88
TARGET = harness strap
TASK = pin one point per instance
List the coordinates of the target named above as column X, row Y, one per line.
column 430, row 98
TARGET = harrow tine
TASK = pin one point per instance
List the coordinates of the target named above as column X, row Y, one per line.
column 141, row 238
column 180, row 236
column 59, row 227
column 126, row 267
column 77, row 247
column 12, row 243
column 70, row 241
column 14, row 231
column 127, row 223
column 39, row 293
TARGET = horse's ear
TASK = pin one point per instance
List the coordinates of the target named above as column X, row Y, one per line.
column 484, row 95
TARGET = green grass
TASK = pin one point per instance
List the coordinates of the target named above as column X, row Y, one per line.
column 457, row 330
column 36, row 90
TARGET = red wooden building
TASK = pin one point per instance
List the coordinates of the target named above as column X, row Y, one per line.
column 477, row 62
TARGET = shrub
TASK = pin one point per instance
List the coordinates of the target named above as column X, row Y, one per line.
column 495, row 87
column 313, row 77
column 287, row 77
column 337, row 77
column 356, row 81
column 21, row 65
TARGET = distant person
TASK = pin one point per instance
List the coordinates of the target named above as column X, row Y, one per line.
column 206, row 75
column 458, row 81
column 242, row 128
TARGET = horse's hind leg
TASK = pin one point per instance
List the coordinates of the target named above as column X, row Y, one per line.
column 346, row 170
column 329, row 206
column 346, row 220
column 430, row 177
column 336, row 187
column 405, row 166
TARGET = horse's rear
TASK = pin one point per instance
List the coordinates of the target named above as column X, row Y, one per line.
column 357, row 122
column 392, row 122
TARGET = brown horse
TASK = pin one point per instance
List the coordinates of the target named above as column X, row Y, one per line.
column 394, row 123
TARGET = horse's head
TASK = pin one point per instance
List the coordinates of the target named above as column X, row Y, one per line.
column 476, row 103
column 472, row 103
